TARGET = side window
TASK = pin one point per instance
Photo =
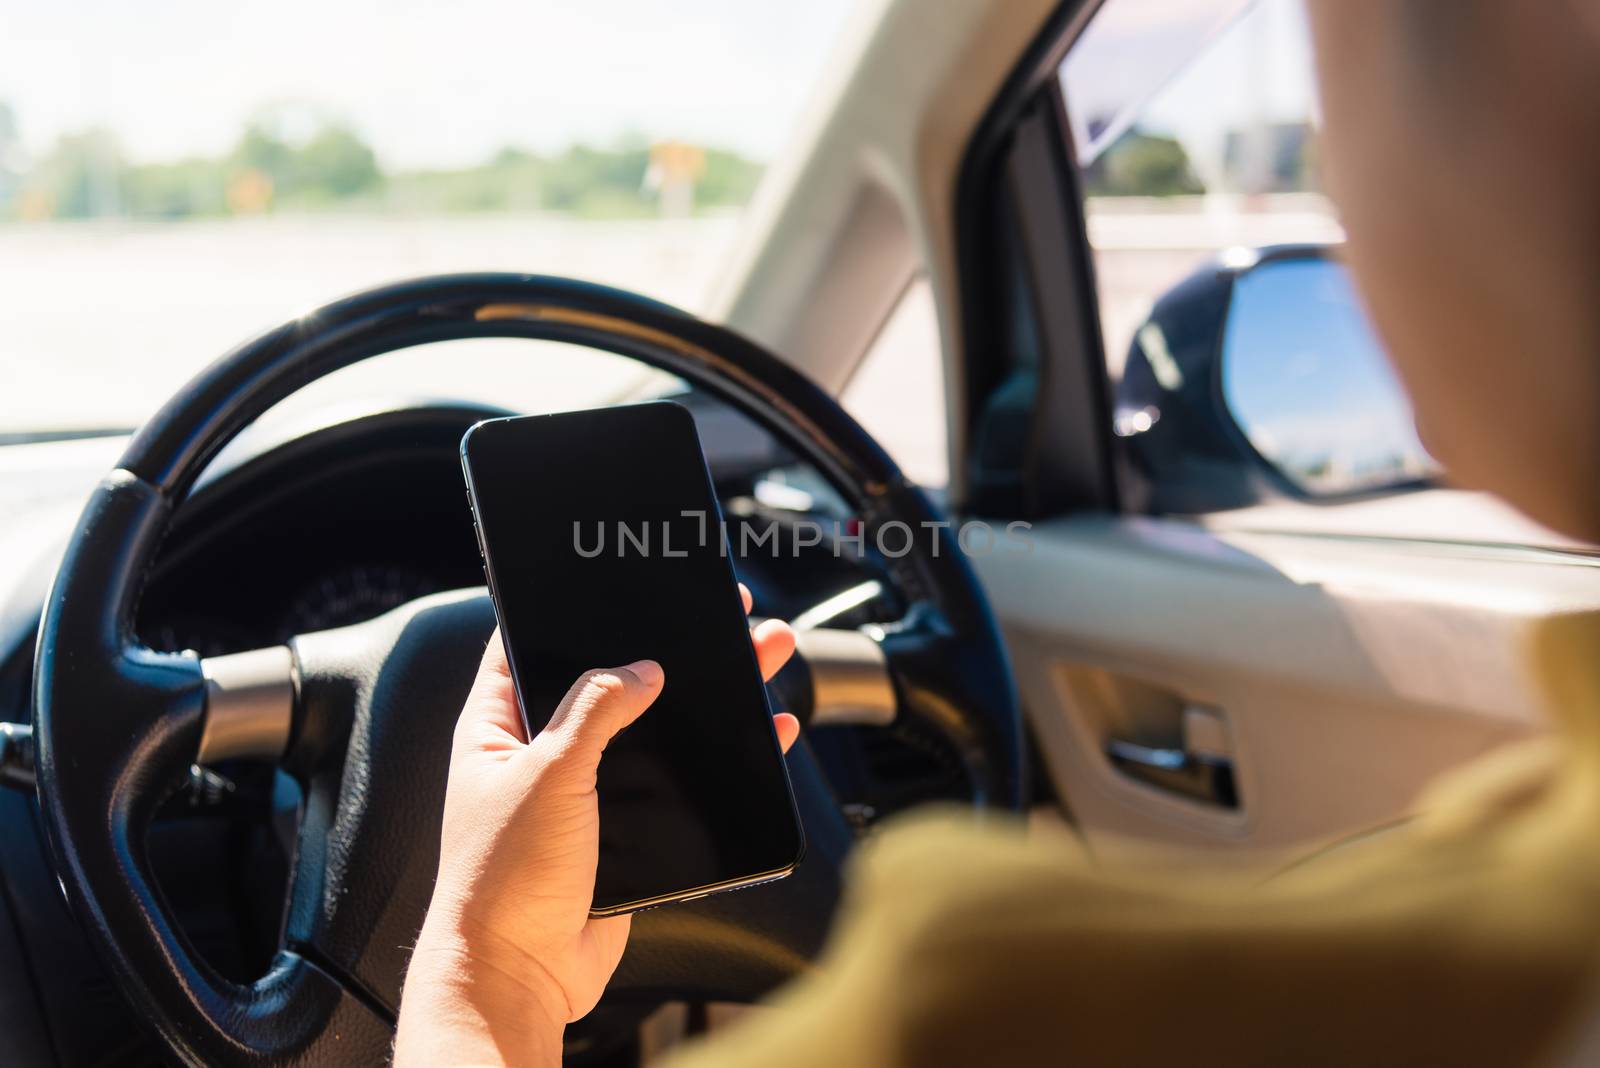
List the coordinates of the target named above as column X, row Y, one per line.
column 1241, row 362
column 897, row 391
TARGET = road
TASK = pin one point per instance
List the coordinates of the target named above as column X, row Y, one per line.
column 100, row 322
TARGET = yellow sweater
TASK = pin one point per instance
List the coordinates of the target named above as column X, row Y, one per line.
column 1469, row 936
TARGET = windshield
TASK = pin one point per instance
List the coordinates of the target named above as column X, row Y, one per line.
column 176, row 176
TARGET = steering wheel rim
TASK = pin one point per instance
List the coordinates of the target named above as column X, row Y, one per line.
column 118, row 725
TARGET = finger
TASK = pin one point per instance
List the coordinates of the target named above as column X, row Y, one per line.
column 788, row 729
column 491, row 718
column 604, row 701
column 774, row 642
column 744, row 595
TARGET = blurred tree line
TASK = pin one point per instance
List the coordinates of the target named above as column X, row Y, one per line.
column 1270, row 157
column 87, row 175
column 1142, row 164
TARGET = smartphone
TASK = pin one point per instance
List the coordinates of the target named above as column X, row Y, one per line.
column 603, row 544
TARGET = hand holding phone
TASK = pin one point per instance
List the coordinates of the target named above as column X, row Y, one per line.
column 602, row 543
column 509, row 936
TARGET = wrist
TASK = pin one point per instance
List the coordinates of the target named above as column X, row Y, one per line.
column 463, row 1005
column 499, row 965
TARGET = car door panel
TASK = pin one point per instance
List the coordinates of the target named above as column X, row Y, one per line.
column 1341, row 675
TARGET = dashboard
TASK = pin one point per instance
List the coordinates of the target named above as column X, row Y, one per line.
column 340, row 525
column 281, row 548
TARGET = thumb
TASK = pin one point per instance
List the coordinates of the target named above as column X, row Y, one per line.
column 604, row 701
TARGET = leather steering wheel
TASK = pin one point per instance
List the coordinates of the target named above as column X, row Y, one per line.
column 362, row 716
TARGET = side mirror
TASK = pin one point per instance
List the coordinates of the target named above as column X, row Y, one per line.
column 1306, row 380
column 1261, row 378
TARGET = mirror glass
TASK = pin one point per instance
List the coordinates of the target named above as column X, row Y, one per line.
column 1306, row 379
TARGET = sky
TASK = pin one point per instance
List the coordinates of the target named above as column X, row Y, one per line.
column 1193, row 68
column 428, row 84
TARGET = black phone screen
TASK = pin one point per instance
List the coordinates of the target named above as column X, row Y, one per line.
column 603, row 544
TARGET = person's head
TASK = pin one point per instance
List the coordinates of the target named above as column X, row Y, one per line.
column 1463, row 149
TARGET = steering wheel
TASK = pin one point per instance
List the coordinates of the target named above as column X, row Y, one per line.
column 362, row 716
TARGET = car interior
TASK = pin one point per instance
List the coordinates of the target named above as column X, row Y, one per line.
column 233, row 641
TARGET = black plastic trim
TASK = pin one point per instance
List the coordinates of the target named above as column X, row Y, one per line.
column 1064, row 469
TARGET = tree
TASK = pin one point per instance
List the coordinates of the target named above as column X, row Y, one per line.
column 1139, row 164
column 82, row 176
column 597, row 181
column 10, row 140
column 729, row 181
column 10, row 156
column 337, row 163
column 334, row 163
column 175, row 190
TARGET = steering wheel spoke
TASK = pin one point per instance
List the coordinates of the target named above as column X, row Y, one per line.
column 918, row 673
column 249, row 705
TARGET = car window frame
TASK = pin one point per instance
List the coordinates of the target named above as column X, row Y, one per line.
column 1019, row 183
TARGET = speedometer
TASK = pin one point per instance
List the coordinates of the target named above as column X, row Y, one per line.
column 353, row 594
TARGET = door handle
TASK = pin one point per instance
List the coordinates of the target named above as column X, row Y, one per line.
column 1203, row 777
